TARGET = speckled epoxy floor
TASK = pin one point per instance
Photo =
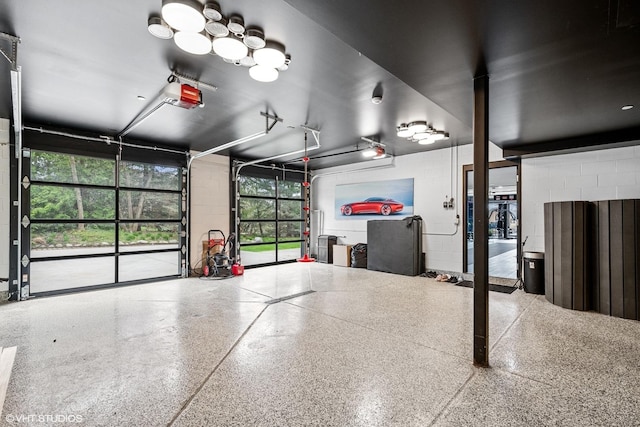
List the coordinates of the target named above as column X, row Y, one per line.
column 365, row 349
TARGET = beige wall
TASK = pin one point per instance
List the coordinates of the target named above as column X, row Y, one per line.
column 209, row 201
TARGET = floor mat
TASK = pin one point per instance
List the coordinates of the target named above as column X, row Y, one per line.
column 496, row 288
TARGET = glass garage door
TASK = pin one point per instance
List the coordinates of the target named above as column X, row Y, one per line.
column 271, row 219
column 101, row 221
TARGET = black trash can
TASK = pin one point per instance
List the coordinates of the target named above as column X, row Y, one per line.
column 534, row 272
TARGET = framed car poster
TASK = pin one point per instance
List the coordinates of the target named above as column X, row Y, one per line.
column 374, row 200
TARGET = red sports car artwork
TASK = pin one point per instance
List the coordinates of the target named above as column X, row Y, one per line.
column 372, row 205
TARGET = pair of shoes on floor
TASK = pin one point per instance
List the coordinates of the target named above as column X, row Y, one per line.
column 446, row 278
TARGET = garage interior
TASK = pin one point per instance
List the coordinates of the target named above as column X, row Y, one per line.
column 163, row 195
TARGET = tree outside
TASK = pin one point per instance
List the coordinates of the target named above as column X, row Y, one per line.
column 61, row 192
column 267, row 215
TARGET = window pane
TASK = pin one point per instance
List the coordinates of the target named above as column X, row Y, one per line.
column 289, row 251
column 290, row 230
column 149, row 236
column 148, row 176
column 149, row 205
column 71, row 169
column 71, row 273
column 289, row 209
column 71, row 239
column 257, row 232
column 53, row 202
column 261, row 254
column 257, row 209
column 290, row 189
column 253, row 186
column 148, row 266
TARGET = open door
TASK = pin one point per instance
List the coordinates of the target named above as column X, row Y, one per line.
column 504, row 219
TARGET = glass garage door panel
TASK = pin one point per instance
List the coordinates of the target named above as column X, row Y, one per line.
column 257, row 232
column 149, row 236
column 256, row 186
column 55, row 202
column 290, row 230
column 71, row 169
column 150, row 176
column 48, row 276
column 149, row 205
column 257, row 209
column 148, row 266
column 290, row 189
column 68, row 239
column 289, row 251
column 290, row 209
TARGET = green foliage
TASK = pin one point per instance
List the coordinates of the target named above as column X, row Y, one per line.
column 145, row 175
column 51, row 201
column 57, row 167
column 270, row 247
column 258, row 202
column 254, row 186
column 95, row 235
column 290, row 189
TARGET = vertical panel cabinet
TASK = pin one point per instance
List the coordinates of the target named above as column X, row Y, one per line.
column 592, row 256
column 567, row 240
column 618, row 258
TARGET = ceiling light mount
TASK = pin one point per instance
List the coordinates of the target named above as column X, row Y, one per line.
column 419, row 131
column 199, row 29
column 183, row 15
column 217, row 28
column 271, row 55
column 159, row 28
column 262, row 73
column 236, row 25
column 194, row 43
column 376, row 96
column 254, row 38
column 230, row 47
column 212, row 11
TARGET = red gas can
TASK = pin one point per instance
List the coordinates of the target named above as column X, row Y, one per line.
column 237, row 269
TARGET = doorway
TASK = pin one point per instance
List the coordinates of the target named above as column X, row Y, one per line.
column 504, row 219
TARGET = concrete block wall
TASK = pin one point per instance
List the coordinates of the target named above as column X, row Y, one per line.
column 435, row 174
column 5, row 204
column 210, row 207
column 607, row 174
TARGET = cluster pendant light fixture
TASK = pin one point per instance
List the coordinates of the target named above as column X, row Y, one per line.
column 420, row 132
column 201, row 29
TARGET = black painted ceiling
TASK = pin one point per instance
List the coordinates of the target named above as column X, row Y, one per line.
column 559, row 72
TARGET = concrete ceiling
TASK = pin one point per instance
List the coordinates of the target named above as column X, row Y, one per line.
column 559, row 73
